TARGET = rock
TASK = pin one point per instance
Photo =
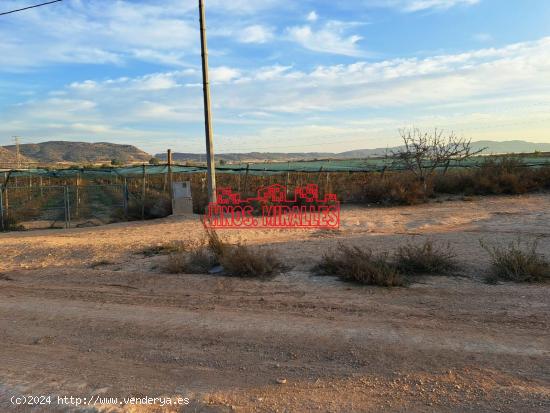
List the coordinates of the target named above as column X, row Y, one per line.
column 281, row 381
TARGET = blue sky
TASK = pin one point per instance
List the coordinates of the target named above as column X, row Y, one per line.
column 288, row 76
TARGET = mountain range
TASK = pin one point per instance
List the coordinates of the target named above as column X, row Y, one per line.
column 62, row 152
column 71, row 153
column 491, row 147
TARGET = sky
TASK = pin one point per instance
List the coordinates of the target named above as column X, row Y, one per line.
column 287, row 75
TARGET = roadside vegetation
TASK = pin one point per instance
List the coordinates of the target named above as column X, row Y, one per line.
column 163, row 249
column 193, row 257
column 518, row 261
column 12, row 223
column 429, row 165
column 425, row 258
column 246, row 262
column 363, row 266
column 492, row 175
column 214, row 255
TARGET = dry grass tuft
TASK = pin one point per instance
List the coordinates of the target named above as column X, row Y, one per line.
column 242, row 261
column 164, row 249
column 199, row 257
column 11, row 223
column 176, row 264
column 518, row 262
column 426, row 258
column 362, row 266
column 194, row 257
column 217, row 245
column 101, row 263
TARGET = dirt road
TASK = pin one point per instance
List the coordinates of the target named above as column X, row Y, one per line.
column 83, row 314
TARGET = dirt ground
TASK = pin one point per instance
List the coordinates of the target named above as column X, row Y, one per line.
column 83, row 314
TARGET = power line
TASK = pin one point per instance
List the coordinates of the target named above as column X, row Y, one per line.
column 30, row 7
column 17, row 152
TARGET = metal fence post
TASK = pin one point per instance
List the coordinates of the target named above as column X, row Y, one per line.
column 143, row 194
column 246, row 179
column 287, row 182
column 126, row 197
column 65, row 205
column 30, row 187
column 2, row 206
column 68, row 206
column 170, row 180
column 319, row 177
column 7, row 202
column 77, row 213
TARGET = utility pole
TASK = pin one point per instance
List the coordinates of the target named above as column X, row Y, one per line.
column 211, row 163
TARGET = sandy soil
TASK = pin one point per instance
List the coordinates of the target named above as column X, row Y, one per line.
column 83, row 314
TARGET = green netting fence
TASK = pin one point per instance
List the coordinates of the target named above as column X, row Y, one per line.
column 76, row 197
column 258, row 169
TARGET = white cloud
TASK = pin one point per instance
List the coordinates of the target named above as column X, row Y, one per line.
column 410, row 6
column 114, row 32
column 255, row 34
column 492, row 90
column 312, row 16
column 151, row 82
column 224, row 74
column 271, row 73
column 245, row 6
column 92, row 32
column 159, row 81
column 165, row 33
column 331, row 38
column 417, row 5
column 518, row 68
column 86, row 85
column 483, row 37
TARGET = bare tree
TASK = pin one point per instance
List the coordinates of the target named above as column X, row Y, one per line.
column 423, row 153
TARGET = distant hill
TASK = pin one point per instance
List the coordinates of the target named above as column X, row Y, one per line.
column 492, row 148
column 56, row 152
column 8, row 158
column 80, row 152
column 511, row 147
